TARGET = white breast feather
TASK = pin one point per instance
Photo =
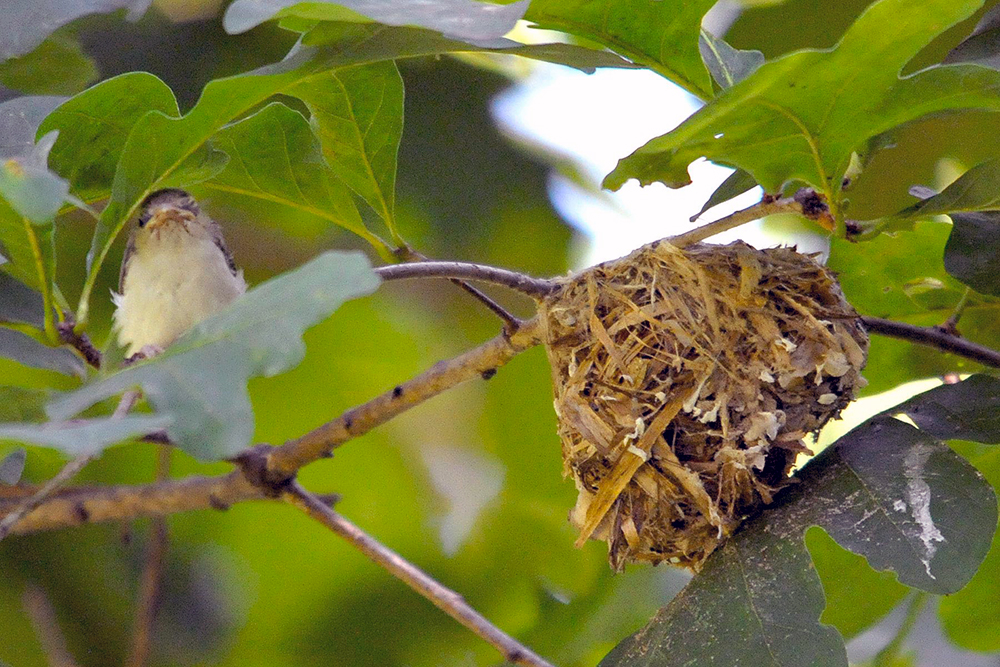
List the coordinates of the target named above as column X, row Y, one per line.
column 171, row 287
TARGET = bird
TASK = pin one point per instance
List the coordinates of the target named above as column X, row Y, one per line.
column 176, row 271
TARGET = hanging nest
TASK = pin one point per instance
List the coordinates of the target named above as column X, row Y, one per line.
column 685, row 383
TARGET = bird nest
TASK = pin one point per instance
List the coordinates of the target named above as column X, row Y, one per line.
column 686, row 381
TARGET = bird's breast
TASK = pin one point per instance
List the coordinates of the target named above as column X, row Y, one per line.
column 170, row 286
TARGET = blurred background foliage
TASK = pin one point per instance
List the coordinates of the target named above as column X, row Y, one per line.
column 468, row 486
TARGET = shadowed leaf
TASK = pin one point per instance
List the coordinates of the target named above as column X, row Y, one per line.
column 463, row 19
column 200, row 382
column 886, row 491
column 727, row 65
column 12, row 466
column 735, row 184
column 978, row 189
column 28, row 351
column 19, row 303
column 22, row 405
column 57, row 67
column 972, row 254
column 28, row 22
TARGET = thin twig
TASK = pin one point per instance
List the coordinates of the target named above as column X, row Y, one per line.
column 43, row 618
column 950, row 325
column 151, row 583
column 68, row 472
column 511, row 322
column 805, row 202
column 79, row 341
column 533, row 287
column 935, row 337
column 443, row 598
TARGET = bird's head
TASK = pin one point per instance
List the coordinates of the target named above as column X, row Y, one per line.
column 168, row 209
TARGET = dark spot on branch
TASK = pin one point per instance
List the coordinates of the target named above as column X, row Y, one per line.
column 488, row 373
column 217, row 503
column 81, row 512
column 253, row 464
column 397, row 392
column 811, row 202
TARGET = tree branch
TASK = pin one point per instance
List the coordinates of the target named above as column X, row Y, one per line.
column 935, row 337
column 68, row 472
column 284, row 461
column 98, row 504
column 533, row 287
column 443, row 598
column 806, row 202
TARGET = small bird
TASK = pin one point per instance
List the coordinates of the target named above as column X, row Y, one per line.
column 176, row 272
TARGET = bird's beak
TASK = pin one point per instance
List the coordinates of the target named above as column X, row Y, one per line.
column 167, row 214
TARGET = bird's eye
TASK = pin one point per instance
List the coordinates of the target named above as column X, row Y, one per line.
column 143, row 219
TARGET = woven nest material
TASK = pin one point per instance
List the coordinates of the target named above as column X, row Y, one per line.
column 685, row 383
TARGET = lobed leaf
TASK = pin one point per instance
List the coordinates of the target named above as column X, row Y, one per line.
column 886, row 491
column 273, row 155
column 357, row 114
column 166, row 150
column 28, row 22
column 662, row 36
column 800, row 117
column 94, row 126
column 462, row 19
column 199, row 383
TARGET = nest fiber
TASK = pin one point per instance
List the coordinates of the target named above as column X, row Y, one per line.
column 686, row 381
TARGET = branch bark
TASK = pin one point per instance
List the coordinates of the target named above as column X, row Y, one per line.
column 443, row 598
column 936, row 337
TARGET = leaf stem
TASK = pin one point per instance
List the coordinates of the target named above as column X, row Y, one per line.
column 951, row 324
column 443, row 598
column 767, row 206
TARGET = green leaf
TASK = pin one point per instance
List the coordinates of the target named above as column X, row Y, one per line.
column 972, row 254
column 662, row 36
column 970, row 617
column 735, row 184
column 12, row 466
column 274, row 156
column 30, row 197
column 200, row 381
column 886, row 491
column 19, row 303
column 22, row 405
column 801, row 117
column 978, row 189
column 357, row 113
column 84, row 436
column 57, row 67
column 727, row 65
column 26, row 350
column 902, row 277
column 94, row 126
column 463, row 19
column 27, row 24
column 165, row 149
column 857, row 597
